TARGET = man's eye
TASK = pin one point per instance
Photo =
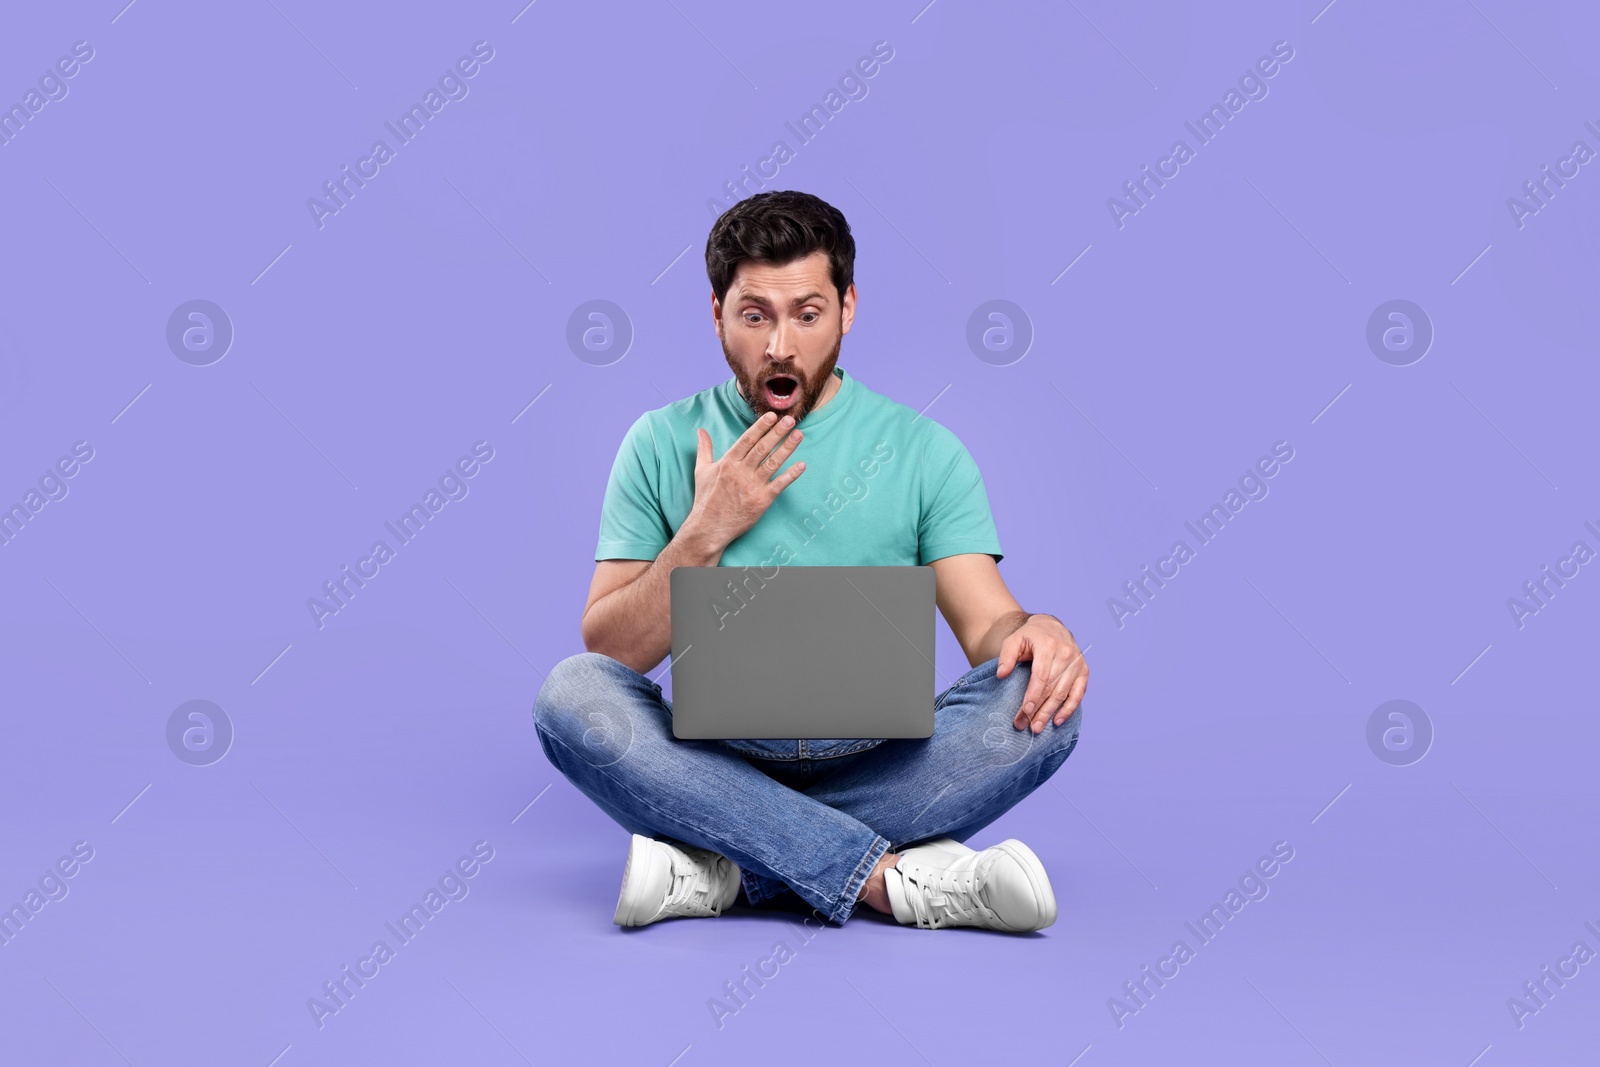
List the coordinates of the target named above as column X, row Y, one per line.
column 810, row 316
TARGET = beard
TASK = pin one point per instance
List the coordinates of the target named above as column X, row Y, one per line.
column 808, row 389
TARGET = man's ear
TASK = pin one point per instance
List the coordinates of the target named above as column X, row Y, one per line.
column 847, row 309
column 716, row 314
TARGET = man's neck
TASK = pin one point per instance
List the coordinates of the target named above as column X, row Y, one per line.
column 829, row 391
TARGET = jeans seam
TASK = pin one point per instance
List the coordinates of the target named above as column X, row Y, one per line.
column 751, row 755
column 544, row 743
column 670, row 817
column 851, row 750
column 813, row 757
column 960, row 683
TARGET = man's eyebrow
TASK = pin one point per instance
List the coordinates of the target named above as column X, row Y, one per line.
column 813, row 297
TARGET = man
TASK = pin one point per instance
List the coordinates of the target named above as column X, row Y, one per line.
column 702, row 482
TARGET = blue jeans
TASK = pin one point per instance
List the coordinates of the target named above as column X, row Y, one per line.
column 807, row 816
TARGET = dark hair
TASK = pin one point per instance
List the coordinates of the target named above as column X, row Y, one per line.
column 778, row 227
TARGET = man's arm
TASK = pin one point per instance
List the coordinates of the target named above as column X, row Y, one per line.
column 988, row 623
column 628, row 615
column 974, row 600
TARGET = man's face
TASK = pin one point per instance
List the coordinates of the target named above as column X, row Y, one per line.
column 781, row 327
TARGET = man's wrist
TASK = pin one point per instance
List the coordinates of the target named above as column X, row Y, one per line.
column 701, row 548
column 1006, row 625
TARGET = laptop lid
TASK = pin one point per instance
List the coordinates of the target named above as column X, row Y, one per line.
column 811, row 652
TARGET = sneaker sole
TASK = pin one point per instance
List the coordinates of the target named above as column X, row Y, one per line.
column 1037, row 878
column 641, row 850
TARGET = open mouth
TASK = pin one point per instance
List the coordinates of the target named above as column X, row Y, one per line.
column 782, row 390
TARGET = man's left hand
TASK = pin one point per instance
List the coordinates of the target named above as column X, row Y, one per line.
column 1058, row 676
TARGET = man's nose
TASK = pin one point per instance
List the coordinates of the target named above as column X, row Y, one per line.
column 780, row 346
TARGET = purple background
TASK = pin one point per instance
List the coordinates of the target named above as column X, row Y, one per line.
column 1229, row 714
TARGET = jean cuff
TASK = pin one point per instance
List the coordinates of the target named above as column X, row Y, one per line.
column 758, row 887
column 847, row 902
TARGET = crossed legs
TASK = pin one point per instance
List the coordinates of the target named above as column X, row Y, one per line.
column 608, row 730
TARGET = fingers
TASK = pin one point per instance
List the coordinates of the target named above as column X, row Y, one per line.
column 784, row 480
column 1049, row 708
column 768, row 440
column 1010, row 649
column 1074, row 683
column 702, row 448
column 1074, row 698
column 747, row 440
column 1038, row 689
column 1047, row 701
column 779, row 455
column 1055, row 690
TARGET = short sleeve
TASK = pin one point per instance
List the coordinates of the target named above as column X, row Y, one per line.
column 955, row 506
column 632, row 525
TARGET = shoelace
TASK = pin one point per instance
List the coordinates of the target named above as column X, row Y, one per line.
column 694, row 889
column 942, row 897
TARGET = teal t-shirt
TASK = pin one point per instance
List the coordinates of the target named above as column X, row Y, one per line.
column 883, row 486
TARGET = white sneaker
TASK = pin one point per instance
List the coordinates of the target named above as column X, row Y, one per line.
column 945, row 883
column 666, row 881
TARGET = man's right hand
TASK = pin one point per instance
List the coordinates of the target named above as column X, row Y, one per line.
column 732, row 493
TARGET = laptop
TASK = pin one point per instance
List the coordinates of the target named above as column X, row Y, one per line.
column 809, row 652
